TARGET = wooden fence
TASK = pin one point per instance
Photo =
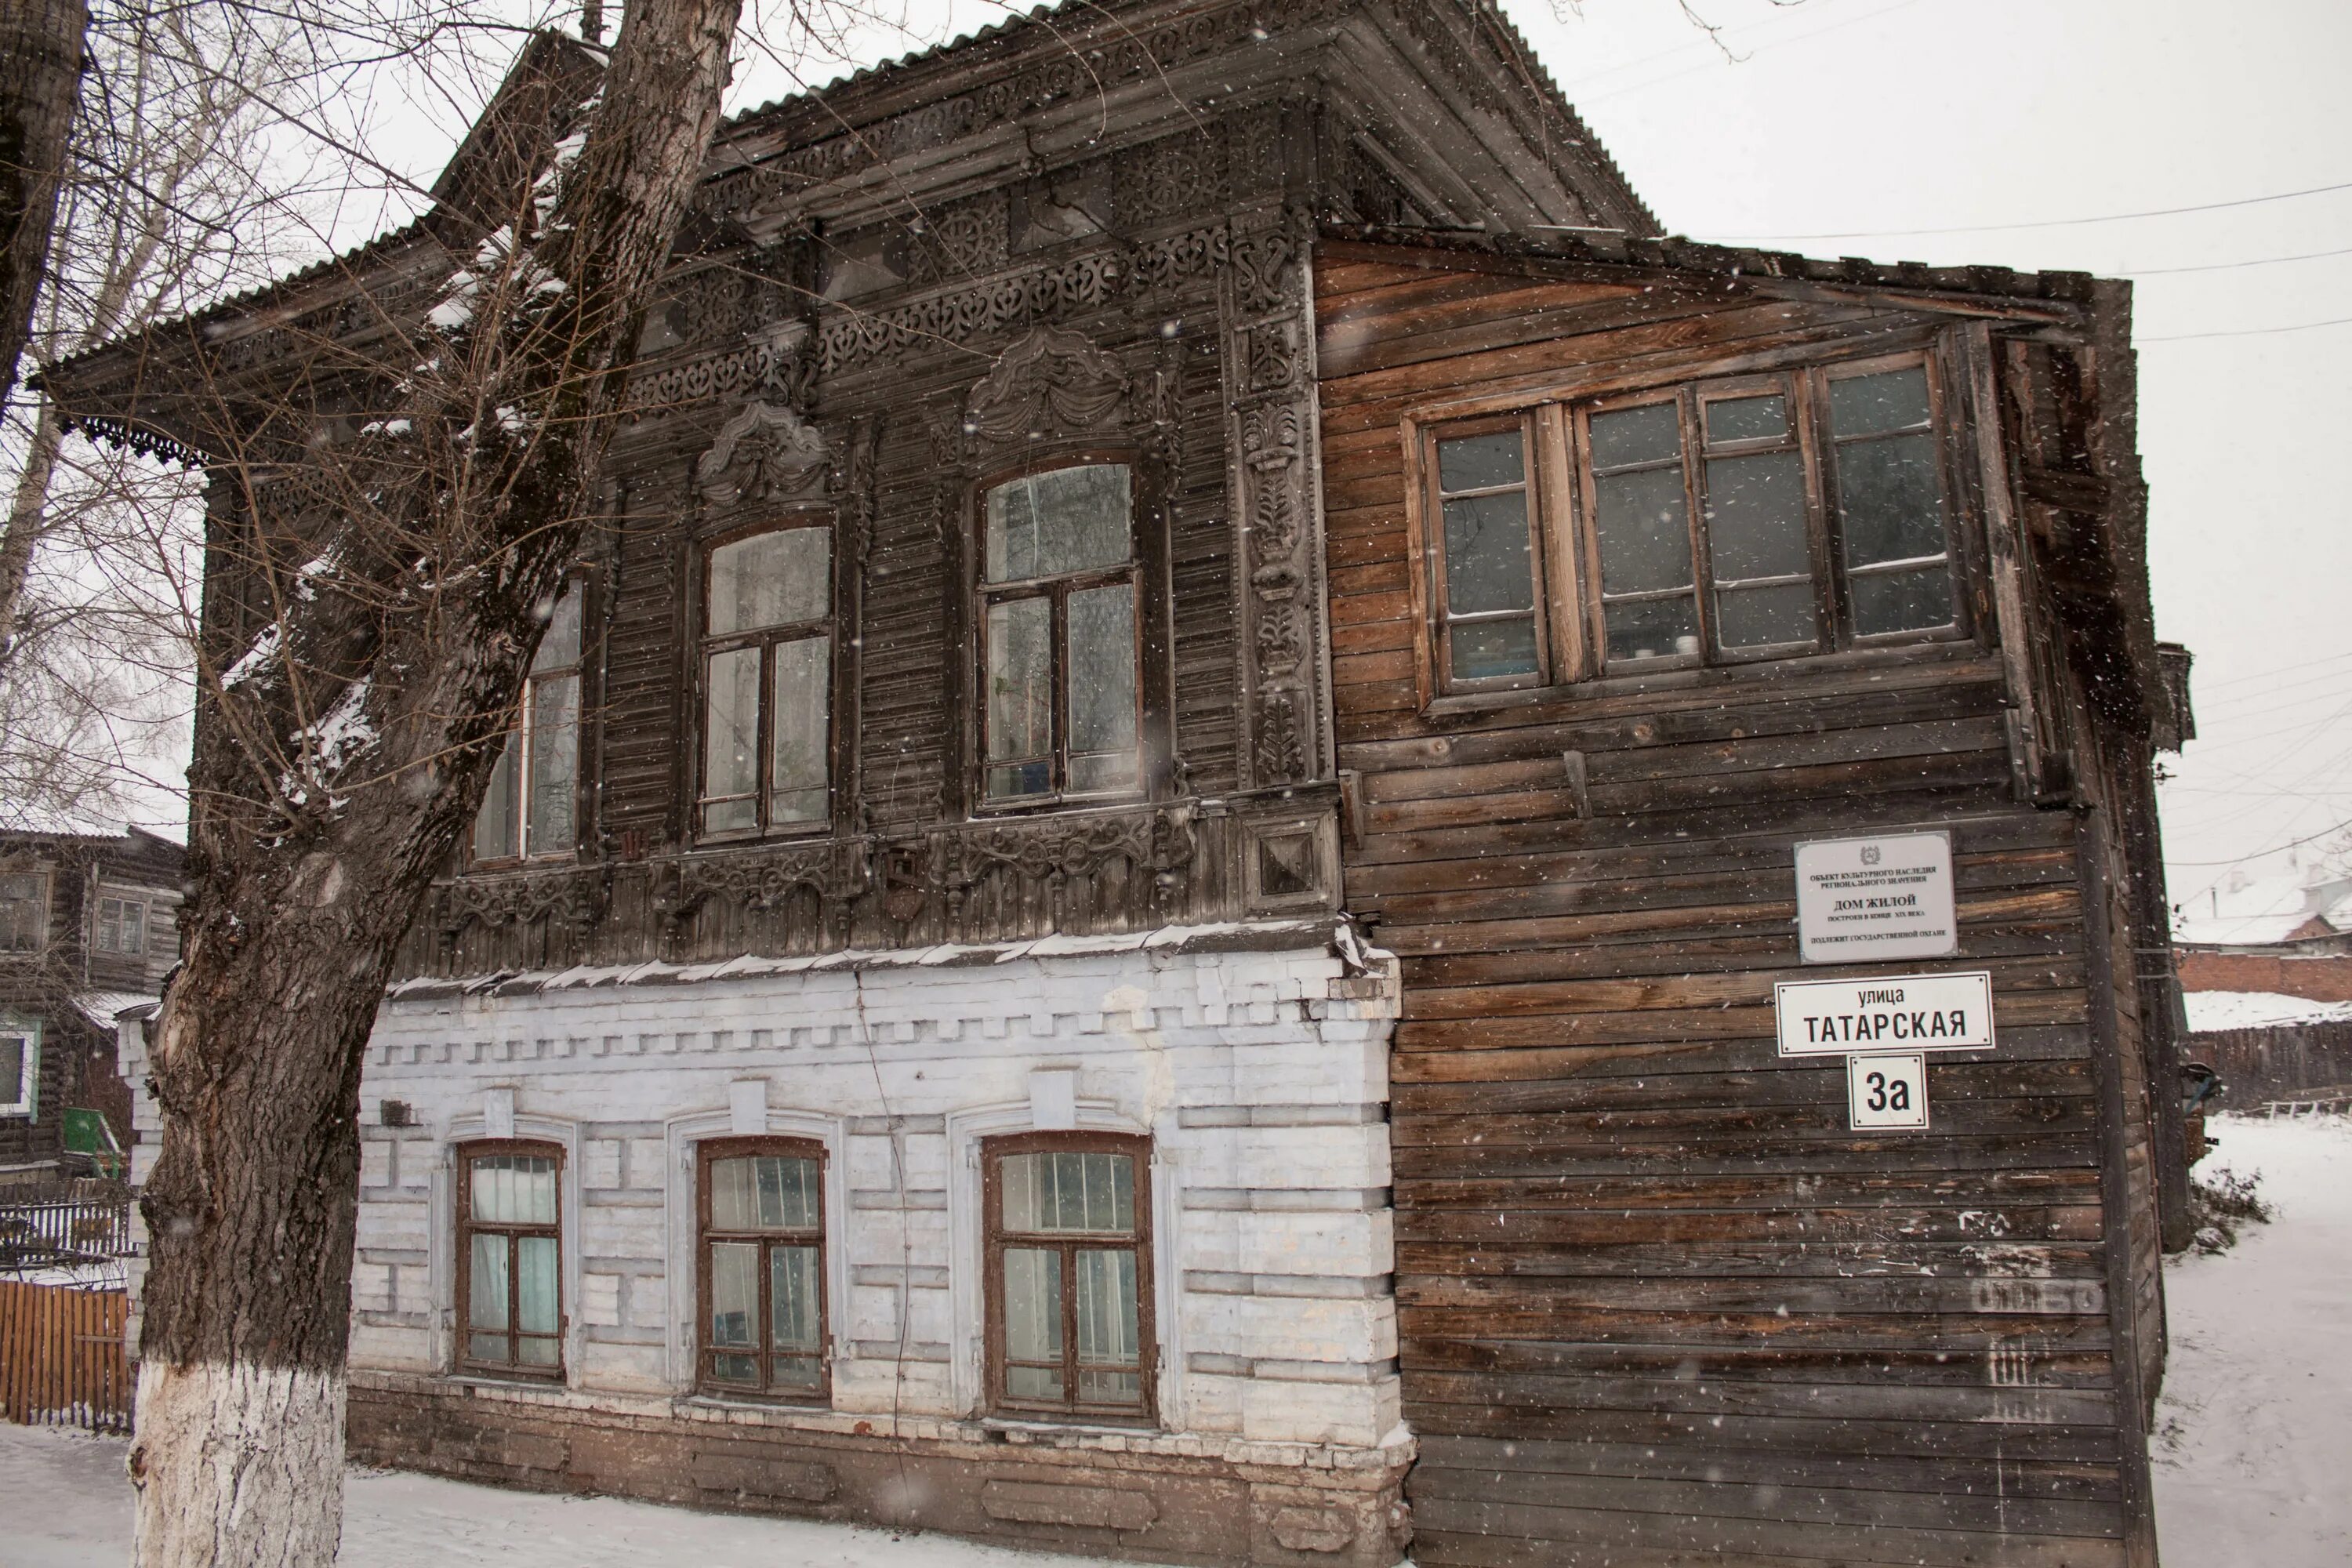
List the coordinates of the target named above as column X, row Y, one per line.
column 61, row 1356
column 2278, row 1061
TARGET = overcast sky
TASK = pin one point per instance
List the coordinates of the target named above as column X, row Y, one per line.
column 1987, row 131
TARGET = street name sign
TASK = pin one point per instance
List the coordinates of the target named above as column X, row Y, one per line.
column 1884, row 1012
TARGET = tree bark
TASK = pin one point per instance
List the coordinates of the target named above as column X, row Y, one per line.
column 41, row 81
column 337, row 768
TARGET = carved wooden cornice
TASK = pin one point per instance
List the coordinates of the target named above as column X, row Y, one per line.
column 764, row 877
column 1155, row 837
column 574, row 897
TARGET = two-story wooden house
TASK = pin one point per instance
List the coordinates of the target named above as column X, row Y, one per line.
column 87, row 929
column 1137, row 901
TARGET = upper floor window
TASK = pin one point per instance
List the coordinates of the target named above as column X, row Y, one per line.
column 1751, row 518
column 767, row 673
column 20, row 1065
column 763, row 1297
column 531, row 808
column 1060, row 654
column 24, row 912
column 1068, row 1279
column 121, row 926
column 509, row 1259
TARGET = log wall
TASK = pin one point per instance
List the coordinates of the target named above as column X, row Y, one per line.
column 1657, row 1304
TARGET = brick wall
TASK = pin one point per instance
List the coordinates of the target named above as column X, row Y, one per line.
column 2322, row 977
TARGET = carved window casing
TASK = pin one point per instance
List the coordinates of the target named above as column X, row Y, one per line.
column 20, row 1065
column 1715, row 521
column 1068, row 1232
column 510, row 1320
column 121, row 926
column 24, row 912
column 1060, row 636
column 530, row 811
column 761, row 1269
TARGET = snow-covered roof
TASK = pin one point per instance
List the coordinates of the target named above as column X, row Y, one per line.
column 2256, row 911
column 2211, row 1010
column 102, row 1008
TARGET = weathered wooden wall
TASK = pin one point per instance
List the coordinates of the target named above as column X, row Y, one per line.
column 1657, row 1303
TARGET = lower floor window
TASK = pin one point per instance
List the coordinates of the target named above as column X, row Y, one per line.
column 509, row 1252
column 1069, row 1275
column 763, row 1267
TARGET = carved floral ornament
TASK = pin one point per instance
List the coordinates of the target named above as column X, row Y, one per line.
column 1051, row 382
column 765, row 453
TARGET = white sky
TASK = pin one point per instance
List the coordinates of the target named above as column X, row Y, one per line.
column 1848, row 127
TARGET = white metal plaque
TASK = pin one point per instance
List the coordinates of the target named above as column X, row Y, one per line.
column 1884, row 1012
column 1862, row 900
column 1886, row 1091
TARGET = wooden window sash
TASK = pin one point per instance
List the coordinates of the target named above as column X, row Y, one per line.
column 1057, row 588
column 708, row 1153
column 469, row 1228
column 1598, row 600
column 997, row 1238
column 1795, row 388
column 1440, row 618
column 35, row 908
column 1827, row 447
column 522, row 737
column 767, row 639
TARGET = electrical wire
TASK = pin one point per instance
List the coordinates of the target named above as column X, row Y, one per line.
column 2044, row 222
column 2249, row 331
column 2231, row 265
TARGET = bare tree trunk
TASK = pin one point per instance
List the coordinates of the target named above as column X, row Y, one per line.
column 40, row 80
column 28, row 514
column 336, row 770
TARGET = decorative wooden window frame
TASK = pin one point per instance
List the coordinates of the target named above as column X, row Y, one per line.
column 783, row 519
column 121, row 924
column 1136, row 570
column 708, row 1152
column 465, row 1226
column 22, row 1097
column 1571, row 641
column 45, row 889
column 579, row 583
column 996, row 1237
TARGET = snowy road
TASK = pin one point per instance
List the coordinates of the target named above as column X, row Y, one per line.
column 2254, row 1435
column 2250, row 1450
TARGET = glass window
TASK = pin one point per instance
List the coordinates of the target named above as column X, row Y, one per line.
column 1069, row 1275
column 529, row 809
column 509, row 1254
column 1642, row 526
column 1758, row 525
column 1486, row 577
column 1060, row 646
column 764, row 1294
column 1890, row 502
column 24, row 912
column 20, row 1066
column 121, row 926
column 767, row 690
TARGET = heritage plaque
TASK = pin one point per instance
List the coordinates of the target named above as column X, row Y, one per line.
column 1861, row 901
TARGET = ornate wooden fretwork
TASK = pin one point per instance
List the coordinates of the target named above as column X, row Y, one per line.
column 1272, row 432
column 765, row 455
column 1049, row 383
column 569, row 900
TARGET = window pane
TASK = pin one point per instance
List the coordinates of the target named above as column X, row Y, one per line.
column 735, row 1367
column 535, row 1289
column 1487, row 561
column 1871, row 405
column 1649, row 435
column 514, row 1189
column 734, row 1294
column 532, row 1351
column 788, row 1192
column 554, row 762
column 1890, row 500
column 23, row 912
column 1902, row 601
column 730, row 730
column 770, row 580
column 1654, row 628
column 1747, row 418
column 489, row 1347
column 134, row 926
column 1020, row 712
column 1480, row 462
column 1065, row 521
column 1756, row 517
column 496, row 823
column 733, row 1202
column 1102, row 687
column 1107, row 1328
column 1644, row 527
column 13, row 1049
column 560, row 648
column 1483, row 650
column 1068, row 1190
column 799, row 1374
column 487, row 1285
column 798, row 771
column 1032, row 1303
column 1032, row 1382
column 1757, row 617
column 793, row 1294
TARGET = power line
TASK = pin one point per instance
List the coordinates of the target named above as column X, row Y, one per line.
column 2045, row 223
column 2249, row 331
column 2231, row 265
column 2256, row 855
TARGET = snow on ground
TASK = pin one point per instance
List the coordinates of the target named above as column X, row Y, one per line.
column 82, row 1519
column 2255, row 1423
column 2250, row 1446
column 2252, row 1009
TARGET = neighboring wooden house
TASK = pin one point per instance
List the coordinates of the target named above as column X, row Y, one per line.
column 87, row 930
column 1111, row 508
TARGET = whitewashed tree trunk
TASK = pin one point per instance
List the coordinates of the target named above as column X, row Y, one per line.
column 338, row 764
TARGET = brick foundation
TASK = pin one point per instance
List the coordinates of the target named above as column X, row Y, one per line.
column 1145, row 1496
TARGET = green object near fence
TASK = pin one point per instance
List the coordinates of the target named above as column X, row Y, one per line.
column 87, row 1134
